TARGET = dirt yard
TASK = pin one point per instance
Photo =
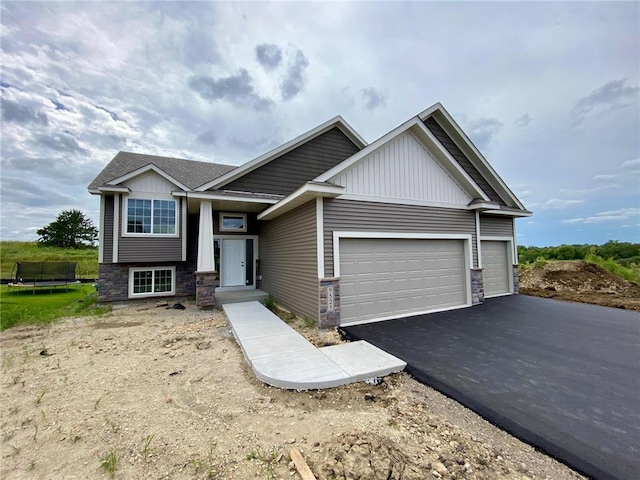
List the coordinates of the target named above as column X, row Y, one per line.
column 149, row 392
column 580, row 282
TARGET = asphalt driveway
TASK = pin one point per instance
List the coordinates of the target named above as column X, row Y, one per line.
column 564, row 377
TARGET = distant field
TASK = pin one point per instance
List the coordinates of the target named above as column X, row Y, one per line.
column 12, row 252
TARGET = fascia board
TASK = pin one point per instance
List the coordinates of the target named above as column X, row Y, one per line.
column 450, row 163
column 147, row 168
column 337, row 121
column 302, row 195
column 230, row 198
column 493, row 178
column 371, row 148
column 113, row 189
column 509, row 213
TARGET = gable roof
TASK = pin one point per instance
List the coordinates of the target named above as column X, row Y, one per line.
column 338, row 122
column 185, row 173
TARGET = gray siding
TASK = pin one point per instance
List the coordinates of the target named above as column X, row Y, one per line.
column 288, row 260
column 497, row 226
column 349, row 215
column 462, row 159
column 107, row 230
column 151, row 249
column 288, row 172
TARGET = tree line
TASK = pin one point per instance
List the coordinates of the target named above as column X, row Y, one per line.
column 623, row 253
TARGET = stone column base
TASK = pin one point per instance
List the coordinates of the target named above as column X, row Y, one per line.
column 516, row 279
column 477, row 286
column 329, row 292
column 206, row 283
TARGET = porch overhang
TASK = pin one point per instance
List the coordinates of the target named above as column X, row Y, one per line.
column 232, row 201
column 307, row 192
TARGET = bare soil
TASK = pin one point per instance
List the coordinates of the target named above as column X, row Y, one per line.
column 580, row 282
column 168, row 395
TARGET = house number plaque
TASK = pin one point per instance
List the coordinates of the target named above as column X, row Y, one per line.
column 330, row 298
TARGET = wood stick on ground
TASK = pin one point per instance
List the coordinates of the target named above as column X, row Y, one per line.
column 301, row 466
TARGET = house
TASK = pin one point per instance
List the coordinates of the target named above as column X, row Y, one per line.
column 334, row 229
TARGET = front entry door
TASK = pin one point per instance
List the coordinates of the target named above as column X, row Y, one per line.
column 233, row 263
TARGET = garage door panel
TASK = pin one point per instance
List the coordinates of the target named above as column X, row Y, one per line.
column 390, row 277
column 495, row 268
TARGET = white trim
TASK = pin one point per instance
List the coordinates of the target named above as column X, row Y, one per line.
column 400, row 201
column 282, row 149
column 337, row 235
column 132, row 270
column 184, row 213
column 206, row 257
column 478, row 242
column 403, row 315
column 515, row 243
column 231, row 198
column 116, row 227
column 308, row 191
column 152, row 197
column 101, row 231
column 483, row 206
column 147, row 168
column 510, row 213
column 221, row 216
column 320, row 235
column 113, row 189
column 510, row 242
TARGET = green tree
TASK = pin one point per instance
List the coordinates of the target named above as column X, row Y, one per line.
column 71, row 229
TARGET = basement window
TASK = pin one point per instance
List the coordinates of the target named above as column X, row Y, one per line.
column 149, row 282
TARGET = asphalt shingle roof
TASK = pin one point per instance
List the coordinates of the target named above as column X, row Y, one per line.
column 188, row 172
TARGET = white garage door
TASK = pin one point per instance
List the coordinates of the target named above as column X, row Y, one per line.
column 381, row 278
column 495, row 268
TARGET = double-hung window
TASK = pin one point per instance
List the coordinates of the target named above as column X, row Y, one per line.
column 156, row 217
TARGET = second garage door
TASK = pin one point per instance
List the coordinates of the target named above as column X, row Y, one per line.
column 388, row 277
column 495, row 268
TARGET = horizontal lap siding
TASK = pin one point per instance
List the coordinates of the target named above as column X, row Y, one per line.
column 107, row 230
column 462, row 159
column 494, row 226
column 349, row 215
column 288, row 172
column 288, row 260
column 151, row 249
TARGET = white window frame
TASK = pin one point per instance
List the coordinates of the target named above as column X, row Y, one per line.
column 231, row 214
column 152, row 198
column 152, row 294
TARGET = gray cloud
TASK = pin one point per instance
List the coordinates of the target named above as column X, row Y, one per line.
column 53, row 169
column 236, row 88
column 524, row 120
column 268, row 55
column 271, row 140
column 199, row 47
column 294, row 81
column 61, row 143
column 14, row 112
column 610, row 96
column 33, row 194
column 208, row 137
column 482, row 131
column 373, row 98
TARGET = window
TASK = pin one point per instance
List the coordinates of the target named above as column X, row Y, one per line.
column 157, row 217
column 230, row 222
column 144, row 282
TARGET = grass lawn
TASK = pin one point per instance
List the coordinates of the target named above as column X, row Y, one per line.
column 23, row 306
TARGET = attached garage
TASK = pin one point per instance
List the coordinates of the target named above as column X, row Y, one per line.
column 382, row 278
column 496, row 268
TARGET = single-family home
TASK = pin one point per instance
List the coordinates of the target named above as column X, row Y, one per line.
column 333, row 228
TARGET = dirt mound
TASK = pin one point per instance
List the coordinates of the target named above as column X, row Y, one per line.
column 580, row 282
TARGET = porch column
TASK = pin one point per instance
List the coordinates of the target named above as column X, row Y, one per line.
column 206, row 275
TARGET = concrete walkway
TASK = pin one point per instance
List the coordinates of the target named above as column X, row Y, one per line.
column 281, row 357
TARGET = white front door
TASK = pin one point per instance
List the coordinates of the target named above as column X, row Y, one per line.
column 233, row 257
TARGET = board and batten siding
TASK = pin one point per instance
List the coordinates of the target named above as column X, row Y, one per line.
column 288, row 172
column 107, row 230
column 361, row 216
column 152, row 248
column 288, row 261
column 403, row 169
column 496, row 226
column 453, row 149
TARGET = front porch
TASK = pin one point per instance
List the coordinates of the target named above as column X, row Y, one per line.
column 238, row 296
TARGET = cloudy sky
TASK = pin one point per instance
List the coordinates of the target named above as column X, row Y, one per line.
column 549, row 92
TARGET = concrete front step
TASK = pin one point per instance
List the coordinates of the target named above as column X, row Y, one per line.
column 238, row 296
